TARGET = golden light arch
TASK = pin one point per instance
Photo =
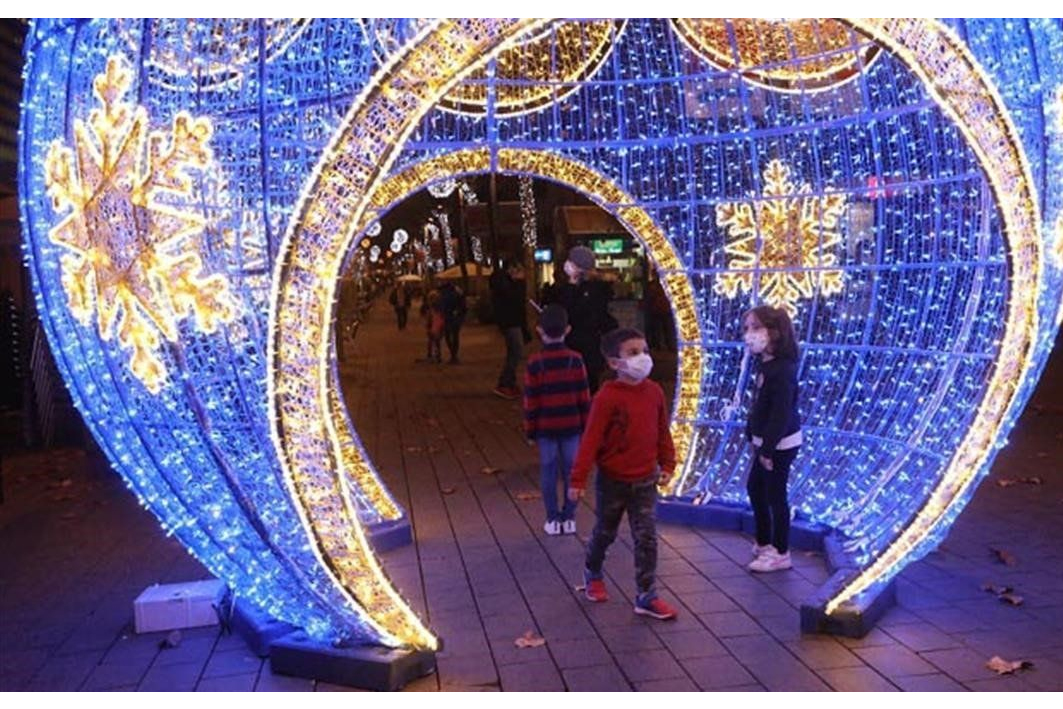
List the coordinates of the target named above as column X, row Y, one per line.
column 603, row 192
column 354, row 167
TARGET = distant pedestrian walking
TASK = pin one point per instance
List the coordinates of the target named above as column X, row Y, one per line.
column 507, row 300
column 454, row 306
column 400, row 300
column 432, row 312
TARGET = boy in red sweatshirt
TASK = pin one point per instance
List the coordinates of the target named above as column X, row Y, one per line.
column 627, row 437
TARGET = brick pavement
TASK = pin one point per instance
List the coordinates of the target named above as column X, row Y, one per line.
column 75, row 549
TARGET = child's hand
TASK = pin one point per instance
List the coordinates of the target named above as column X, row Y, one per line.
column 766, row 463
column 574, row 493
column 663, row 477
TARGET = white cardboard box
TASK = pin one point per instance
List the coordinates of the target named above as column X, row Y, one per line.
column 178, row 605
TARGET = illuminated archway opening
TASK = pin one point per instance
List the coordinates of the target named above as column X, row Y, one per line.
column 609, row 197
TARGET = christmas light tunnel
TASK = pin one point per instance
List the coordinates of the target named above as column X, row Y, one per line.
column 894, row 184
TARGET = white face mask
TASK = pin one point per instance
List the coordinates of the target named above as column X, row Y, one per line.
column 572, row 270
column 638, row 367
column 757, row 341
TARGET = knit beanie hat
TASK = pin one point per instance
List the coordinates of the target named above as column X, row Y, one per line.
column 582, row 257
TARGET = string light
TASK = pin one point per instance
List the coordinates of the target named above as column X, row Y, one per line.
column 527, row 212
column 936, row 300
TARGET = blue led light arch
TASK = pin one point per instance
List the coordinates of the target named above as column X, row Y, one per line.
column 923, row 255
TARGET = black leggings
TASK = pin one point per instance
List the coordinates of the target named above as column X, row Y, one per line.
column 767, row 495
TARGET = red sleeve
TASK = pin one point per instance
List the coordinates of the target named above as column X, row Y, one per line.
column 665, row 446
column 591, row 440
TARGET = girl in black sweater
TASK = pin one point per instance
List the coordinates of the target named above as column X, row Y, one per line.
column 774, row 429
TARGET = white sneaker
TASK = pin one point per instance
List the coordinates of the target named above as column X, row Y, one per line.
column 569, row 526
column 770, row 560
column 758, row 549
column 552, row 528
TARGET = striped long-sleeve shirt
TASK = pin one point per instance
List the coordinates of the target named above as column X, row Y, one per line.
column 557, row 398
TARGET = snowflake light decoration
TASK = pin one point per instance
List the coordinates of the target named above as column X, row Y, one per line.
column 779, row 239
column 130, row 232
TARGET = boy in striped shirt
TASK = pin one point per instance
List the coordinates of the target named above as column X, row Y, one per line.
column 557, row 400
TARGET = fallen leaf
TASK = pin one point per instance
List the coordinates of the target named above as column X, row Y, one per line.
column 487, row 470
column 1006, row 667
column 433, row 449
column 1008, row 482
column 1004, row 556
column 447, row 490
column 1006, row 594
column 413, row 449
column 525, row 496
column 529, row 639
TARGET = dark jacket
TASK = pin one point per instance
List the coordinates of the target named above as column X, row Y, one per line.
column 507, row 300
column 452, row 299
column 774, row 415
column 587, row 304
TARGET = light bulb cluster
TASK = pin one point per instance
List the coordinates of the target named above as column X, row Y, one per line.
column 877, row 178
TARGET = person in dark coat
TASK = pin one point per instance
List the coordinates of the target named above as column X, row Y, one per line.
column 507, row 301
column 454, row 308
column 400, row 300
column 587, row 302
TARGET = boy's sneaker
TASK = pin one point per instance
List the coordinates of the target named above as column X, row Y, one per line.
column 509, row 393
column 595, row 591
column 552, row 528
column 771, row 560
column 655, row 608
column 758, row 549
column 569, row 526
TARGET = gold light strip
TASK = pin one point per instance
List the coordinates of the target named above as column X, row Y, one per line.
column 965, row 94
column 557, row 57
column 352, row 463
column 763, row 43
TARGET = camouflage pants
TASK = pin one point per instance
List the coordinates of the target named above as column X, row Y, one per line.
column 639, row 500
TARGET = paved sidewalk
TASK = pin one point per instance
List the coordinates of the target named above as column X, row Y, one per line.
column 75, row 549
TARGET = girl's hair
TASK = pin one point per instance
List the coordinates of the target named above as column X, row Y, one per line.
column 780, row 330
